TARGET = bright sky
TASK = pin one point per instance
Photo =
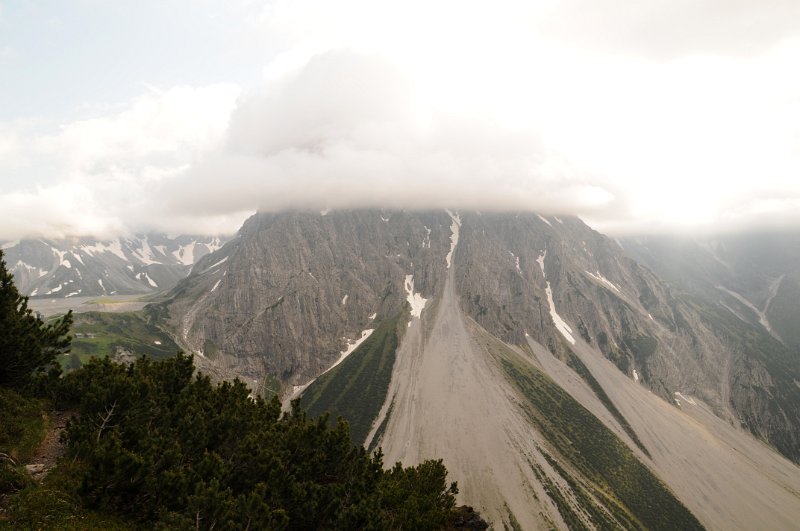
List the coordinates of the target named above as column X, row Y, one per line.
column 188, row 115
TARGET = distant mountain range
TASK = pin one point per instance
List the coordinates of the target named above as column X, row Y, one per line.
column 91, row 267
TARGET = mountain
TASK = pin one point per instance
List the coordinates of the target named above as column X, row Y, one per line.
column 756, row 277
column 564, row 383
column 90, row 267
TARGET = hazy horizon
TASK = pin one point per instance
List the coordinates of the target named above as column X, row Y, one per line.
column 184, row 117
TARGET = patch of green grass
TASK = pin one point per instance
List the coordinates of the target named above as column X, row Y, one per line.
column 625, row 486
column 210, row 350
column 55, row 504
column 373, row 445
column 98, row 334
column 22, row 425
column 596, row 514
column 565, row 509
column 578, row 366
column 356, row 388
column 270, row 387
column 109, row 300
column 512, row 520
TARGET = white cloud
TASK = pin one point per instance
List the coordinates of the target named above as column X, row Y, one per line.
column 665, row 29
column 106, row 170
column 665, row 115
column 170, row 124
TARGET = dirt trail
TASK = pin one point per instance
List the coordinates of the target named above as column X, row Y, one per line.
column 451, row 402
column 728, row 479
column 51, row 448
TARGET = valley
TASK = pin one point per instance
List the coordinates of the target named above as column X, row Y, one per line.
column 109, row 303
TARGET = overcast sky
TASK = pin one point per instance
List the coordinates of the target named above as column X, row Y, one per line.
column 188, row 115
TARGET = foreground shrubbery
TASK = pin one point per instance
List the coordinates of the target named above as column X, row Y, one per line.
column 162, row 445
column 156, row 445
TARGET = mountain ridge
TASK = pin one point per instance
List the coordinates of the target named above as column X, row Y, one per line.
column 95, row 267
column 283, row 302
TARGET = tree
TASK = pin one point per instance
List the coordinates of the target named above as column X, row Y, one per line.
column 163, row 446
column 28, row 346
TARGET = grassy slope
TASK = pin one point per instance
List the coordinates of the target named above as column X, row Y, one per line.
column 132, row 331
column 22, row 424
column 356, row 388
column 577, row 365
column 633, row 494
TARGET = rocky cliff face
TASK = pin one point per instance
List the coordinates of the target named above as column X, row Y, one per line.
column 286, row 298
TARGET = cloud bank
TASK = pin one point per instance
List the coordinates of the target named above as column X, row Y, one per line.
column 674, row 116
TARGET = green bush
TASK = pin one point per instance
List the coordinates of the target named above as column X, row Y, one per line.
column 162, row 446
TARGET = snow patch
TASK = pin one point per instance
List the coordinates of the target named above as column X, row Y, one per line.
column 100, row 281
column 543, row 219
column 558, row 219
column 72, row 294
column 540, row 261
column 31, row 269
column 685, row 398
column 426, row 243
column 344, row 299
column 516, row 262
column 561, row 325
column 114, row 247
column 416, row 300
column 145, row 254
column 185, row 254
column 635, row 375
column 324, row 212
column 215, row 244
column 77, row 257
column 603, row 280
column 351, row 347
column 216, row 285
column 386, row 220
column 156, row 342
column 54, row 290
column 454, row 229
column 217, row 264
column 61, row 260
column 144, row 276
column 373, row 316
column 34, row 292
